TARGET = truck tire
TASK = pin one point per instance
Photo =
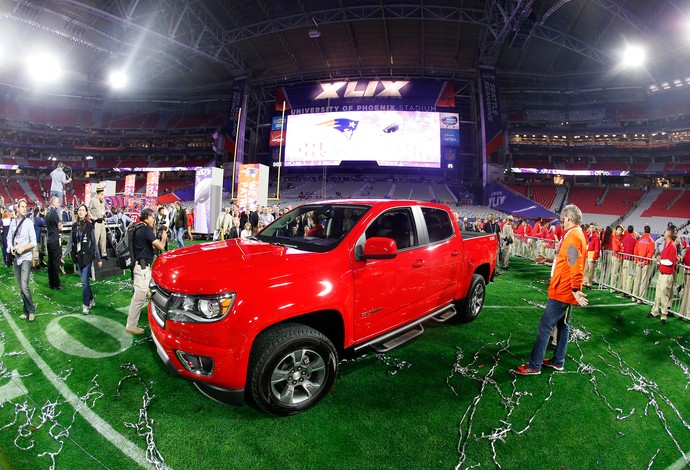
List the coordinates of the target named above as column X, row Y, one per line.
column 291, row 368
column 471, row 305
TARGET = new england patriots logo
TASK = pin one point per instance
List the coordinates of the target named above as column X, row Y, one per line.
column 346, row 126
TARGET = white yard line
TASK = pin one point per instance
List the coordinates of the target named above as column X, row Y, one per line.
column 680, row 463
column 127, row 447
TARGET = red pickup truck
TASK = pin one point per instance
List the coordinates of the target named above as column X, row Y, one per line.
column 266, row 318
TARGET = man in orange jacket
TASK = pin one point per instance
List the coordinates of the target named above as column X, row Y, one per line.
column 644, row 251
column 565, row 290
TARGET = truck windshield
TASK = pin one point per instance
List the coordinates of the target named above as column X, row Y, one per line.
column 314, row 227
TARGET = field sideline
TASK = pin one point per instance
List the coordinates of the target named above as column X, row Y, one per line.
column 80, row 393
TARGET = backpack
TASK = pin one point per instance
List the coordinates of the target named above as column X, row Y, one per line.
column 125, row 249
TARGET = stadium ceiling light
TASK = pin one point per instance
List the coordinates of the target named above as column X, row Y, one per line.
column 633, row 56
column 43, row 67
column 117, row 79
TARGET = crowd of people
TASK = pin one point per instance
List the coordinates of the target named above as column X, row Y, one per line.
column 626, row 260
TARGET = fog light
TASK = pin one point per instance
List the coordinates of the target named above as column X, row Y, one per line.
column 199, row 365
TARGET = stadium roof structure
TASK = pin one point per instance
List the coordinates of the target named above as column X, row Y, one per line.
column 187, row 46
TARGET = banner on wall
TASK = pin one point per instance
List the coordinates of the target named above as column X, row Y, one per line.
column 506, row 200
column 87, row 193
column 236, row 101
column 252, row 187
column 152, row 179
column 130, row 184
column 492, row 125
column 366, row 95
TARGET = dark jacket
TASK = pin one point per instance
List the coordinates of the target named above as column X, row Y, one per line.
column 52, row 221
column 84, row 245
column 181, row 219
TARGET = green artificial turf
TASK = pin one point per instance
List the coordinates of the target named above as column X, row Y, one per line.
column 446, row 398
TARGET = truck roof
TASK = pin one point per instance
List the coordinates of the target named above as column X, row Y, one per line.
column 380, row 202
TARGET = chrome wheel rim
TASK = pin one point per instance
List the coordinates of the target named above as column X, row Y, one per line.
column 477, row 299
column 298, row 377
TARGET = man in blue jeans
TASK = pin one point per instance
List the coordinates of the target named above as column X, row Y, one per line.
column 565, row 290
column 21, row 241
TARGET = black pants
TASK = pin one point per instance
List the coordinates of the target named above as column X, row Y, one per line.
column 54, row 265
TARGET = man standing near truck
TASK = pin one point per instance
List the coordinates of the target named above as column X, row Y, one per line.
column 143, row 241
column 565, row 290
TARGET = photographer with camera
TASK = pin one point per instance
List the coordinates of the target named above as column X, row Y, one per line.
column 144, row 242
column 162, row 224
column 506, row 241
column 58, row 181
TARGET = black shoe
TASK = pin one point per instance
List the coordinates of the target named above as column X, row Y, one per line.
column 649, row 315
column 58, row 288
column 104, row 257
column 551, row 347
column 663, row 320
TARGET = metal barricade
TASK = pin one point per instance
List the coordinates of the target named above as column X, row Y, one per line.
column 633, row 276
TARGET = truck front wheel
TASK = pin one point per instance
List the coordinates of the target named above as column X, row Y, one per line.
column 292, row 367
column 471, row 305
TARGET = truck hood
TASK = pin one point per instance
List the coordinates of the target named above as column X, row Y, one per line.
column 213, row 268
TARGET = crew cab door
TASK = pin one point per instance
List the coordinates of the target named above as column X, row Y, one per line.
column 390, row 292
column 445, row 257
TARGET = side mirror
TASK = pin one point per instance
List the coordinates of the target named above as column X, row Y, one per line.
column 379, row 248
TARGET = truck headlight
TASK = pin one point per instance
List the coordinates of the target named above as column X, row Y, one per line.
column 200, row 309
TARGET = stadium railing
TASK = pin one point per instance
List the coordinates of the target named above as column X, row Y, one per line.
column 632, row 276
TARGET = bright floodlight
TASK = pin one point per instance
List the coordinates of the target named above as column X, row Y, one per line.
column 633, row 56
column 43, row 68
column 118, row 79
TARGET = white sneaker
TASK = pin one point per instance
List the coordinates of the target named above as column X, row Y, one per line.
column 92, row 304
column 85, row 310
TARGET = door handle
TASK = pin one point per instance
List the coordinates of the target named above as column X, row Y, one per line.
column 419, row 263
column 454, row 253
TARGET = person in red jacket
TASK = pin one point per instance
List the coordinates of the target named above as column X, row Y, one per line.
column 616, row 258
column 190, row 223
column 628, row 267
column 593, row 251
column 530, row 245
column 644, row 252
column 565, row 290
column 667, row 270
column 685, row 302
column 520, row 238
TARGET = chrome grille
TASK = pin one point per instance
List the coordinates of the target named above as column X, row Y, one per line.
column 160, row 299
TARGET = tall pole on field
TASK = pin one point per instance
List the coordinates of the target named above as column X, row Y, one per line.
column 280, row 149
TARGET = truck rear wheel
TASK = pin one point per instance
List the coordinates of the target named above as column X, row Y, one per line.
column 292, row 367
column 471, row 305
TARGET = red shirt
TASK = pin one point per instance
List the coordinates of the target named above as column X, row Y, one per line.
column 528, row 230
column 536, row 228
column 559, row 232
column 644, row 248
column 629, row 242
column 669, row 253
column 520, row 231
column 593, row 245
column 686, row 261
column 616, row 246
